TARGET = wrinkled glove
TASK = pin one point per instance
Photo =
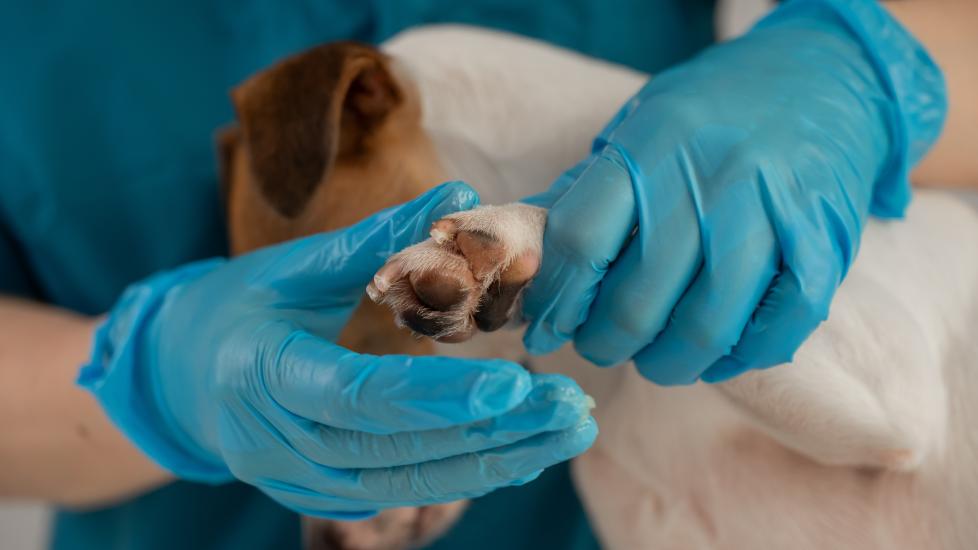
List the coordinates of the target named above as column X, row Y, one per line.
column 227, row 369
column 721, row 208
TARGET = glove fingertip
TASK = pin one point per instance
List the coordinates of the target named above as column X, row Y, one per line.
column 526, row 479
column 339, row 516
column 596, row 354
column 453, row 196
column 540, row 337
column 724, row 369
column 577, row 439
column 502, row 386
column 657, row 373
column 540, row 342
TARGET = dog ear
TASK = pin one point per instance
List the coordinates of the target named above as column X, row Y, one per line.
column 310, row 110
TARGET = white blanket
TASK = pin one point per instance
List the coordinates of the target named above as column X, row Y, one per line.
column 775, row 458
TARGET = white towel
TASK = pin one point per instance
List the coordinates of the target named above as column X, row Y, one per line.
column 888, row 380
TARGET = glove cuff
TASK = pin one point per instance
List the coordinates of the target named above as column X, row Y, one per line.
column 125, row 386
column 910, row 77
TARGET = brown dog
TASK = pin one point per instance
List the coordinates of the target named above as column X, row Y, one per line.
column 326, row 138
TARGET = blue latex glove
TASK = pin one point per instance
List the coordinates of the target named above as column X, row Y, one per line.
column 227, row 369
column 721, row 208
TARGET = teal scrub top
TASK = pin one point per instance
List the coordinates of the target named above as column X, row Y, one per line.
column 108, row 174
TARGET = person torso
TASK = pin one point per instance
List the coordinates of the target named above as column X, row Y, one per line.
column 108, row 174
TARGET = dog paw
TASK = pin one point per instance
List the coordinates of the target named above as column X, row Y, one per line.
column 394, row 529
column 468, row 276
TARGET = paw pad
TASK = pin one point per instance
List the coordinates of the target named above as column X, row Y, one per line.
column 469, row 275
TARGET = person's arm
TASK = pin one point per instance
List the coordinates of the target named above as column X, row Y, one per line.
column 58, row 445
column 949, row 31
column 227, row 369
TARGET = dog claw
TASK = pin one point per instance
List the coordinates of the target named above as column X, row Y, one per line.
column 383, row 279
column 374, row 293
column 443, row 231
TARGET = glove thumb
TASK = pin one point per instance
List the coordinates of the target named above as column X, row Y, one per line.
column 339, row 264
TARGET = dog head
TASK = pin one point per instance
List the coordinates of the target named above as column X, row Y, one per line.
column 324, row 139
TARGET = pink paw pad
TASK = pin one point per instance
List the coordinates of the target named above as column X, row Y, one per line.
column 468, row 276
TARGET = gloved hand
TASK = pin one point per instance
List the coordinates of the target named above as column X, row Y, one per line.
column 721, row 208
column 227, row 369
